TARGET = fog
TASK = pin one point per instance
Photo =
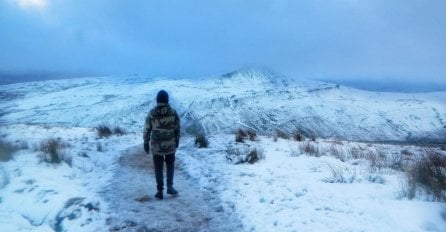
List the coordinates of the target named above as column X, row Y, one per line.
column 337, row 40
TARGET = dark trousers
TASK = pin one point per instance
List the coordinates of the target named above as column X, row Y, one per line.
column 158, row 161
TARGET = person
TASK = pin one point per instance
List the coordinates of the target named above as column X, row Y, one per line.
column 161, row 138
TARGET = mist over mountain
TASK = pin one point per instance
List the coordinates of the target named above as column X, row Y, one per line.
column 405, row 86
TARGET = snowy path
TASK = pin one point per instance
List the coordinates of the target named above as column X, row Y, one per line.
column 133, row 207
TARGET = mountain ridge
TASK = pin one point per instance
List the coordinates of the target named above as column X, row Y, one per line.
column 243, row 99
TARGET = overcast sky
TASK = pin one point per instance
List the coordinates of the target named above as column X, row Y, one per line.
column 323, row 39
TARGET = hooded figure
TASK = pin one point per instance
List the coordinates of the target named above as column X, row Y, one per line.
column 161, row 138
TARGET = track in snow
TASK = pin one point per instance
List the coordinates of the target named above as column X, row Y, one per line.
column 134, row 208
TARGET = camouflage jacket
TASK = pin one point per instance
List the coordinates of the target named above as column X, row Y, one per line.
column 162, row 130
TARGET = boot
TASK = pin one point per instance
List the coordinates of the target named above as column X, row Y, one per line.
column 172, row 191
column 159, row 194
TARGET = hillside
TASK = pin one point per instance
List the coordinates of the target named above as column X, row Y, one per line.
column 254, row 99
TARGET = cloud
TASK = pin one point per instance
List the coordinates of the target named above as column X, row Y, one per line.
column 32, row 3
column 317, row 39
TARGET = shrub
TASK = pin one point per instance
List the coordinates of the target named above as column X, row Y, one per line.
column 103, row 131
column 201, row 141
column 252, row 135
column 119, row 131
column 335, row 152
column 282, row 134
column 396, row 162
column 428, row 172
column 53, row 151
column 310, row 149
column 243, row 153
column 254, row 155
column 356, row 153
column 6, row 151
column 340, row 174
column 372, row 157
column 406, row 152
column 297, row 136
column 240, row 136
column 376, row 179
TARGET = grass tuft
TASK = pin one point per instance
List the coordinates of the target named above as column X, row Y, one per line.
column 201, row 141
column 54, row 151
column 103, row 131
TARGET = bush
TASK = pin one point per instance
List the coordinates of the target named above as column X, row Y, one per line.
column 119, row 131
column 356, row 153
column 406, row 152
column 254, row 155
column 377, row 160
column 282, row 134
column 201, row 141
column 243, row 153
column 310, row 149
column 335, row 152
column 240, row 136
column 428, row 172
column 340, row 174
column 297, row 136
column 397, row 162
column 53, row 151
column 103, row 131
column 252, row 135
column 6, row 151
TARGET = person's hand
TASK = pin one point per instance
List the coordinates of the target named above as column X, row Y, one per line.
column 147, row 147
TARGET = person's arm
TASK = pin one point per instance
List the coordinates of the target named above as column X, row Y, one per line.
column 177, row 130
column 146, row 135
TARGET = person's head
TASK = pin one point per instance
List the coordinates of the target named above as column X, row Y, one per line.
column 162, row 97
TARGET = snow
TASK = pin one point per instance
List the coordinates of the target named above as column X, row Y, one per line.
column 38, row 193
column 287, row 193
column 222, row 104
column 110, row 184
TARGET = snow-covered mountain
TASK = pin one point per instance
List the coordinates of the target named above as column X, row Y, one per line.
column 251, row 98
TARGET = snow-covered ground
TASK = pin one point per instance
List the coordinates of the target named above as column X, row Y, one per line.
column 291, row 191
column 41, row 196
column 109, row 183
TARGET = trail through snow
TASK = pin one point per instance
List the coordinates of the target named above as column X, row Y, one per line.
column 134, row 208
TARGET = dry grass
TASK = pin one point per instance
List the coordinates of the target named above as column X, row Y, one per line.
column 243, row 153
column 340, row 174
column 310, row 149
column 282, row 134
column 54, row 151
column 297, row 136
column 7, row 151
column 428, row 173
column 252, row 135
column 201, row 141
column 336, row 152
column 240, row 136
column 103, row 131
column 119, row 131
